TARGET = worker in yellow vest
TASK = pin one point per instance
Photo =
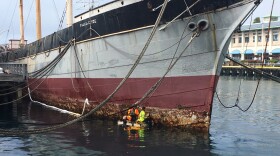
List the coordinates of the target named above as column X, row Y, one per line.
column 142, row 115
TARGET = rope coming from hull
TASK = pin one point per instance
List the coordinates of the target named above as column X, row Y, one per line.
column 258, row 71
column 39, row 75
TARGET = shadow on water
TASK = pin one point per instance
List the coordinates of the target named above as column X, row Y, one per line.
column 9, row 112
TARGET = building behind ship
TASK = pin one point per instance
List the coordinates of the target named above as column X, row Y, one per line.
column 248, row 43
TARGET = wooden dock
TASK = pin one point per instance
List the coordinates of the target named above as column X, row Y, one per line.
column 17, row 73
column 241, row 71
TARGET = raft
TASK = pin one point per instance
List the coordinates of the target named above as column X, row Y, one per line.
column 136, row 126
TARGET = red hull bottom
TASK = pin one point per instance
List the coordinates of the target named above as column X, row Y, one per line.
column 179, row 101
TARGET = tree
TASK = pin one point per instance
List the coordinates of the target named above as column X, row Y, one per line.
column 257, row 20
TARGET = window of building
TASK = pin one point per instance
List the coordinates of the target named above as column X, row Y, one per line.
column 259, row 38
column 275, row 36
column 236, row 56
column 249, row 56
column 239, row 39
column 233, row 40
column 254, row 38
column 246, row 39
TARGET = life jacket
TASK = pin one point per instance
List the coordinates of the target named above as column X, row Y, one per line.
column 133, row 111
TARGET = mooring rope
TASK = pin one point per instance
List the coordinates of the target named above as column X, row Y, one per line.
column 259, row 79
column 46, row 72
column 149, row 93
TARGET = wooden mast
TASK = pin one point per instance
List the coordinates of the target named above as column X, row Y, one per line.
column 69, row 12
column 21, row 25
column 38, row 20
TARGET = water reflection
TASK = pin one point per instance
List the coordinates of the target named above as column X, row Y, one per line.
column 239, row 133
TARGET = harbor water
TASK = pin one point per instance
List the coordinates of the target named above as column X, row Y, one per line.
column 232, row 132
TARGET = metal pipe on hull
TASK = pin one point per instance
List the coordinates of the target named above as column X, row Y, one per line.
column 38, row 20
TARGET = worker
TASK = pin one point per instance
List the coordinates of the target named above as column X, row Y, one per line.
column 132, row 115
column 142, row 116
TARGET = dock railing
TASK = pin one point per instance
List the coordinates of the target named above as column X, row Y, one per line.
column 16, row 69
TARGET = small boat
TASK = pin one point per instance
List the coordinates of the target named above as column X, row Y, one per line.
column 136, row 126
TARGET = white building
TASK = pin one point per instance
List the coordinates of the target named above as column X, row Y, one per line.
column 250, row 42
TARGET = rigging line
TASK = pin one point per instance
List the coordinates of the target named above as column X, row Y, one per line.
column 149, row 93
column 237, row 98
column 6, row 103
column 239, row 88
column 260, row 72
column 152, row 92
column 259, row 79
column 80, row 65
column 167, row 47
column 257, row 3
column 66, row 47
column 62, row 17
column 28, row 14
column 220, row 101
column 81, row 35
column 6, row 15
column 11, row 20
column 53, row 62
column 187, row 9
column 71, row 66
column 48, row 74
column 47, row 129
column 173, row 64
column 145, row 54
column 182, row 37
column 56, row 10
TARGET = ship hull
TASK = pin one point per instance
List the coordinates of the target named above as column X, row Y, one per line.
column 93, row 68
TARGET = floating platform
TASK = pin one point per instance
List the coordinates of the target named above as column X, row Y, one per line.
column 136, row 126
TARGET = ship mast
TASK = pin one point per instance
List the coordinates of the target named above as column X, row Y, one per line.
column 69, row 12
column 21, row 26
column 38, row 20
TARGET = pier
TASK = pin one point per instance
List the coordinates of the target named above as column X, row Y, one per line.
column 241, row 71
column 13, row 76
column 13, row 73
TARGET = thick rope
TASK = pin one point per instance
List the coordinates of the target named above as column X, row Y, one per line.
column 259, row 79
column 47, row 72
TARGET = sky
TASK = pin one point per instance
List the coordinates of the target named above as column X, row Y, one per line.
column 52, row 10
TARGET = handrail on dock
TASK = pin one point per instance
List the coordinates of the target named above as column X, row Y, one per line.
column 15, row 68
